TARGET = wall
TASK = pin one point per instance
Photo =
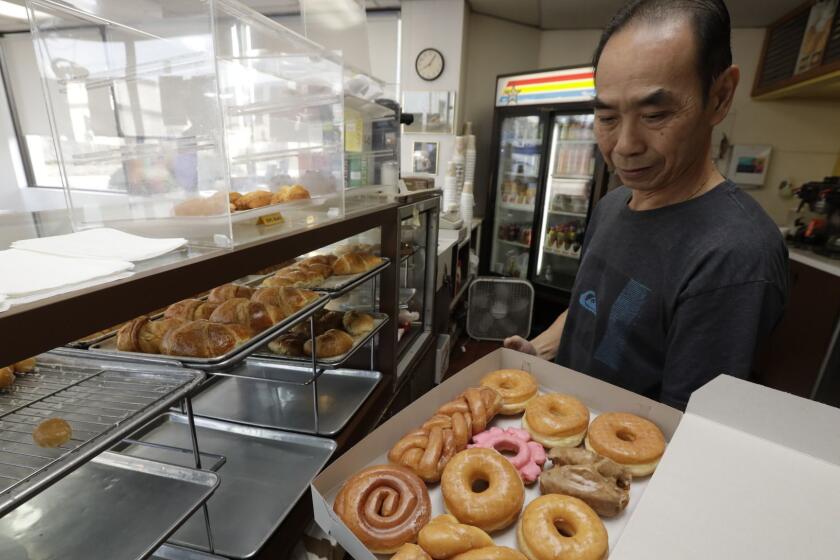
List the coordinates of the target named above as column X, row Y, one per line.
column 494, row 47
column 438, row 24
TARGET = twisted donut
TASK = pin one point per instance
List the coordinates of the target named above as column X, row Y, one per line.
column 494, row 508
column 425, row 451
column 516, row 387
column 444, row 537
column 410, row 551
column 633, row 442
column 583, row 534
column 385, row 506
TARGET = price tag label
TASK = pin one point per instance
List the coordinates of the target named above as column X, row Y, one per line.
column 270, row 219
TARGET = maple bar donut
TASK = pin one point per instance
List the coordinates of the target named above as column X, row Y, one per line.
column 516, row 387
column 556, row 420
column 631, row 441
column 385, row 506
column 490, row 509
column 557, row 526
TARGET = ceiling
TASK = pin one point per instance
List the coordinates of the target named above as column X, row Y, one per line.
column 595, row 14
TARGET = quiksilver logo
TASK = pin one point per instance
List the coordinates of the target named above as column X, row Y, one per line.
column 587, row 300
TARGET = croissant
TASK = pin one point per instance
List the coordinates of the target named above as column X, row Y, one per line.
column 324, row 321
column 355, row 263
column 144, row 335
column 203, row 339
column 288, row 345
column 289, row 193
column 288, row 300
column 251, row 200
column 295, row 277
column 332, row 343
column 320, row 259
column 251, row 314
column 190, row 310
column 228, row 291
column 324, row 270
column 357, row 323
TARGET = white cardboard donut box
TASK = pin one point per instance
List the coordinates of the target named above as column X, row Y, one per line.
column 749, row 472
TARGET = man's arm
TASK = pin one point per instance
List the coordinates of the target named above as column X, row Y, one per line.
column 717, row 332
column 545, row 344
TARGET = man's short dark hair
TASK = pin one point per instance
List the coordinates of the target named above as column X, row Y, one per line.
column 709, row 20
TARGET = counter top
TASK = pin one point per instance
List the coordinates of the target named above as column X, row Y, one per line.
column 809, row 258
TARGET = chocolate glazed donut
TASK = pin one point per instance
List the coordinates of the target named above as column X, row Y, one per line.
column 385, row 506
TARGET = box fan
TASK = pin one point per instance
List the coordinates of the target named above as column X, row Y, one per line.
column 499, row 308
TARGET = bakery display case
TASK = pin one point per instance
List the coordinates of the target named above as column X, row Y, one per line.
column 201, row 119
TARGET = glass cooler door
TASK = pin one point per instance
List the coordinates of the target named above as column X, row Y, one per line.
column 567, row 200
column 520, row 145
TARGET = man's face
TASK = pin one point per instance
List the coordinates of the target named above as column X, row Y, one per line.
column 650, row 120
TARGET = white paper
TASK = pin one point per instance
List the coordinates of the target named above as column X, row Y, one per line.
column 27, row 273
column 102, row 243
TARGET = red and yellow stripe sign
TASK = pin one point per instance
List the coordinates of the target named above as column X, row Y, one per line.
column 559, row 86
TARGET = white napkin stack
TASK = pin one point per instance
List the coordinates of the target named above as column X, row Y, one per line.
column 102, row 243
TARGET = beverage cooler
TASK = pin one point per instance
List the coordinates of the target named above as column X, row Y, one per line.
column 547, row 176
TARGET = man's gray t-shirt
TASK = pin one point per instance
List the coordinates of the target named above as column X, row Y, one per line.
column 667, row 299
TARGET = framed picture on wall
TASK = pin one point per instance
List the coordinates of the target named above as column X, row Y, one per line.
column 748, row 164
column 425, row 157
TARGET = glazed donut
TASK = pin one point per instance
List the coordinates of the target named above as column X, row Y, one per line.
column 444, row 537
column 491, row 553
column 583, row 535
column 410, row 551
column 385, row 506
column 556, row 420
column 494, row 508
column 516, row 387
column 52, row 432
column 631, row 441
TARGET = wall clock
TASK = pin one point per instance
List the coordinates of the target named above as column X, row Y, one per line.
column 429, row 64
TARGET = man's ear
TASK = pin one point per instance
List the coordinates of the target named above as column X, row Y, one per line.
column 723, row 92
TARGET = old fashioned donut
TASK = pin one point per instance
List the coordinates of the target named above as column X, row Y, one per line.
column 495, row 507
column 530, row 455
column 557, row 526
column 516, row 387
column 385, row 506
column 631, row 441
column 556, row 420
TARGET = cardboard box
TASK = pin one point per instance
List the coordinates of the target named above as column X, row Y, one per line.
column 597, row 395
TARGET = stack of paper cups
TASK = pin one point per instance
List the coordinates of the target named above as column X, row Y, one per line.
column 469, row 159
column 450, row 188
column 467, row 203
column 459, row 157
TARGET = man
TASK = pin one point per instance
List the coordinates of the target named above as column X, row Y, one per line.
column 682, row 274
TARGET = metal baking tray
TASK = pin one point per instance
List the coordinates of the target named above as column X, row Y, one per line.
column 172, row 552
column 340, row 285
column 379, row 321
column 361, row 300
column 115, row 507
column 264, row 475
column 108, row 347
column 102, row 403
column 269, row 394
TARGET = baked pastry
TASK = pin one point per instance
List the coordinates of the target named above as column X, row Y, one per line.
column 285, row 300
column 556, row 420
column 254, row 199
column 357, row 323
column 324, row 270
column 228, row 291
column 385, row 506
column 7, row 378
column 468, row 415
column 190, row 310
column 633, row 442
column 491, row 553
column 354, row 263
column 233, row 196
column 516, row 387
column 530, row 455
column 24, row 366
column 295, row 277
column 52, row 432
column 556, row 526
column 603, row 484
column 241, row 311
column 212, row 205
column 203, row 339
column 492, row 508
column 290, row 193
column 332, row 343
column 324, row 321
column 410, row 551
column 426, row 451
column 289, row 344
column 144, row 335
column 445, row 537
column 320, row 259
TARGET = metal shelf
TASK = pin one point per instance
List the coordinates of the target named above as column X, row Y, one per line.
column 339, row 285
column 517, row 207
column 101, row 403
column 514, row 243
column 567, row 213
column 560, row 254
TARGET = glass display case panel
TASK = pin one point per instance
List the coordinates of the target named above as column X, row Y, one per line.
column 168, row 108
column 516, row 194
column 567, row 201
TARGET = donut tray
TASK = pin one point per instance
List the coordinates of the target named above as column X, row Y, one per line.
column 101, row 402
column 263, row 475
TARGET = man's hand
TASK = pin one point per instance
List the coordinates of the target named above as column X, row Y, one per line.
column 520, row 344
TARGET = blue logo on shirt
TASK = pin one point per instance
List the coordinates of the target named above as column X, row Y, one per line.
column 587, row 300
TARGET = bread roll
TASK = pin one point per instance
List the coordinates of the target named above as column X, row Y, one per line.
column 52, row 432
column 228, row 291
column 190, row 310
column 332, row 343
column 357, row 323
column 203, row 339
column 324, row 321
column 354, row 263
column 290, row 193
column 242, row 311
column 251, row 200
column 290, row 344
